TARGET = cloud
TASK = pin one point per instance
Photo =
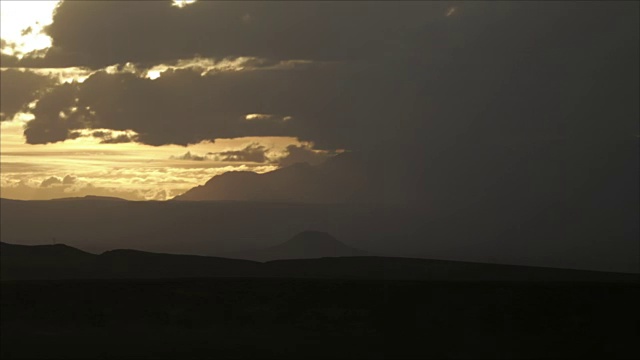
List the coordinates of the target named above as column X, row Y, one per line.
column 251, row 153
column 51, row 182
column 25, row 191
column 182, row 107
column 56, row 114
column 112, row 137
column 500, row 89
column 18, row 89
column 303, row 154
column 266, row 117
column 404, row 74
column 69, row 180
column 257, row 153
column 189, row 156
column 311, row 30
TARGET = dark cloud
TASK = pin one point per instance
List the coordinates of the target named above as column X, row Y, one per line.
column 251, row 153
column 8, row 61
column 118, row 140
column 56, row 114
column 56, row 188
column 18, row 89
column 54, row 180
column 27, row 31
column 53, row 57
column 107, row 137
column 69, row 180
column 302, row 154
column 520, row 118
column 189, row 156
column 51, row 181
column 406, row 74
column 104, row 33
column 260, row 154
column 182, row 107
column 527, row 95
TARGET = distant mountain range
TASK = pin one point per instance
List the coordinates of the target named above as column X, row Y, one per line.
column 345, row 178
column 91, row 197
column 305, row 245
column 54, row 262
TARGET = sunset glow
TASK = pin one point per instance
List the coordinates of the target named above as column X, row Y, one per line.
column 319, row 179
column 128, row 170
column 107, row 165
column 21, row 25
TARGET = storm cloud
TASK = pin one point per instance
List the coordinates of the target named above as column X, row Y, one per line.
column 182, row 107
column 189, row 156
column 18, row 89
column 105, row 33
column 51, row 181
column 452, row 101
column 302, row 154
column 250, row 153
column 508, row 125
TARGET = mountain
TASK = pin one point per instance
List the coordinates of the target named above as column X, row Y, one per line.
column 91, row 197
column 20, row 262
column 341, row 179
column 46, row 262
column 140, row 264
column 305, row 245
column 559, row 236
column 55, row 262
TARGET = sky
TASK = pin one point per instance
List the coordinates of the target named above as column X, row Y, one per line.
column 145, row 100
column 111, row 164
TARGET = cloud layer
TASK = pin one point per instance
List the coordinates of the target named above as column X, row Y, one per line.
column 18, row 89
column 450, row 100
column 112, row 33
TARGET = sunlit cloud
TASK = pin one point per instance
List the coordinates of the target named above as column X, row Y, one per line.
column 210, row 66
column 22, row 24
column 182, row 3
column 451, row 11
column 125, row 169
column 258, row 116
column 252, row 117
column 189, row 156
column 62, row 75
column 202, row 65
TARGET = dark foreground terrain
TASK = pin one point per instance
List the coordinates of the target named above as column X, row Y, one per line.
column 307, row 318
column 61, row 262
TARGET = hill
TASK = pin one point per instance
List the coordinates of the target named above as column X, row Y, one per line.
column 305, row 245
column 341, row 179
column 53, row 262
column 559, row 237
column 91, row 197
column 46, row 261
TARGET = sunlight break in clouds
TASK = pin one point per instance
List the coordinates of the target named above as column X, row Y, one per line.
column 124, row 169
column 21, row 25
column 182, row 3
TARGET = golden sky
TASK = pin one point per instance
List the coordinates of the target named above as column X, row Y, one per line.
column 128, row 170
column 85, row 166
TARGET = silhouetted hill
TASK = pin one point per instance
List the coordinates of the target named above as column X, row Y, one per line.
column 305, row 245
column 376, row 268
column 341, row 179
column 560, row 236
column 140, row 265
column 19, row 262
column 50, row 262
column 91, row 197
column 46, row 262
